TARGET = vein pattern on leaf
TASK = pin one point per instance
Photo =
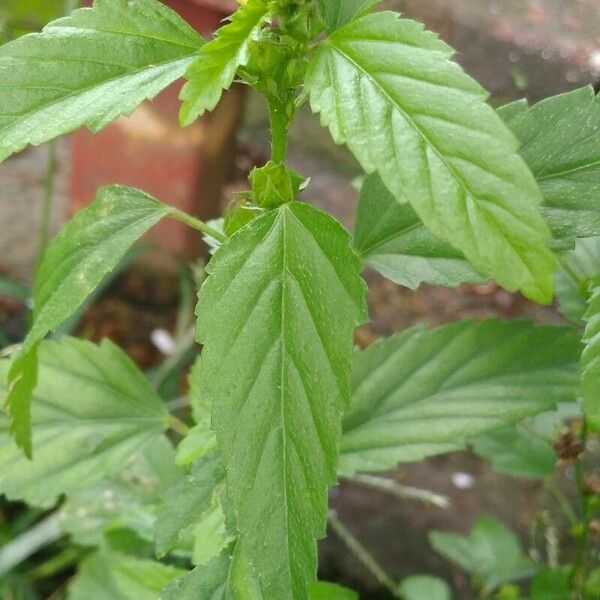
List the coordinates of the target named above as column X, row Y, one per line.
column 590, row 359
column 276, row 317
column 560, row 141
column 89, row 68
column 387, row 89
column 214, row 69
column 422, row 393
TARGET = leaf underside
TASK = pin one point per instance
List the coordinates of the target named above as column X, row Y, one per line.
column 422, row 393
column 88, row 69
column 93, row 409
column 276, row 317
column 388, row 89
column 590, row 359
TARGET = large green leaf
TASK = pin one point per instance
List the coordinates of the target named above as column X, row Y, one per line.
column 75, row 264
column 111, row 576
column 88, row 69
column 392, row 239
column 93, row 411
column 337, row 13
column 422, row 393
column 590, row 359
column 388, row 90
column 560, row 141
column 491, row 553
column 217, row 63
column 578, row 268
column 185, row 503
column 276, row 317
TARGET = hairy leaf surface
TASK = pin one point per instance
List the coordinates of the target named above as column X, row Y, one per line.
column 590, row 359
column 337, row 13
column 560, row 141
column 76, row 262
column 185, row 503
column 111, row 576
column 276, row 317
column 392, row 239
column 217, row 63
column 388, row 90
column 422, row 393
column 88, row 69
column 93, row 410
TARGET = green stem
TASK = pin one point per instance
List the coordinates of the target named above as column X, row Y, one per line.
column 70, row 556
column 280, row 124
column 177, row 425
column 197, row 224
column 561, row 500
column 363, row 555
column 46, row 216
column 580, row 565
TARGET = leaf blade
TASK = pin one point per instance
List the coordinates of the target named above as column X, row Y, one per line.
column 414, row 117
column 259, row 377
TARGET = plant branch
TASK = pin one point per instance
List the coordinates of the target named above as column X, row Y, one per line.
column 177, row 425
column 27, row 544
column 280, row 124
column 197, row 224
column 46, row 216
column 363, row 555
column 403, row 492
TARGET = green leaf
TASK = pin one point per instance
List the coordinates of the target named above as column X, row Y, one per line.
column 491, row 553
column 388, row 90
column 129, row 501
column 337, row 13
column 76, row 262
column 590, row 358
column 551, row 584
column 93, row 411
column 578, row 268
column 185, row 503
column 517, row 451
column 391, row 239
column 422, row 393
column 208, row 582
column 112, row 576
column 330, row 591
column 88, row 69
column 424, row 587
column 560, row 141
column 217, row 63
column 210, row 534
column 276, row 317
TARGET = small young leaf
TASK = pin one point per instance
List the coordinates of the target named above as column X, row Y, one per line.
column 391, row 239
column 590, row 359
column 276, row 317
column 560, row 141
column 210, row 534
column 337, row 13
column 422, row 393
column 185, row 503
column 217, row 63
column 88, row 69
column 424, row 587
column 492, row 553
column 93, row 410
column 517, row 451
column 75, row 264
column 388, row 90
column 578, row 268
column 111, row 576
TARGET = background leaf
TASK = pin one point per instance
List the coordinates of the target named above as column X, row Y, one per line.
column 590, row 358
column 492, row 553
column 560, row 141
column 93, row 410
column 276, row 317
column 76, row 262
column 424, row 587
column 112, row 576
column 422, row 393
column 217, row 63
column 88, row 69
column 388, row 90
column 392, row 239
column 330, row 591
